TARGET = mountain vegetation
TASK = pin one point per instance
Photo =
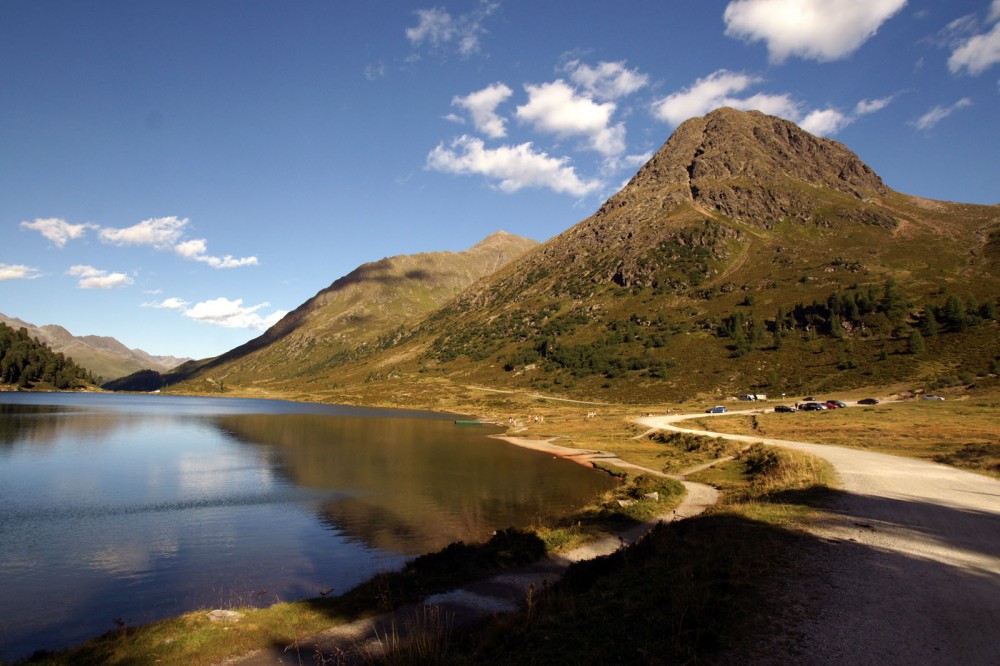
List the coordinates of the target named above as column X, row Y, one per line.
column 345, row 320
column 105, row 356
column 746, row 255
column 27, row 363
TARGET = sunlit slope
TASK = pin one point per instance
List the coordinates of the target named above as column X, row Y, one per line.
column 354, row 312
column 745, row 255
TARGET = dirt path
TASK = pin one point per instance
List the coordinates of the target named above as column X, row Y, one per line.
column 363, row 641
column 906, row 569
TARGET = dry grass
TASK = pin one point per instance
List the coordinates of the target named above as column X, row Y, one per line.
column 964, row 432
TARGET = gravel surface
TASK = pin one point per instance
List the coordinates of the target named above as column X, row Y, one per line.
column 904, row 569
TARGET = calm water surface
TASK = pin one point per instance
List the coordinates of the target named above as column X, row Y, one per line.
column 135, row 508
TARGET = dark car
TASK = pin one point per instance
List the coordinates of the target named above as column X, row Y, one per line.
column 868, row 401
column 784, row 408
column 812, row 407
column 718, row 409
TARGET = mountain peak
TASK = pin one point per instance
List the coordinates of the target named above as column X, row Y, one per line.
column 751, row 167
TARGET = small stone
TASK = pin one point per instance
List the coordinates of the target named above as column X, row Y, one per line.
column 655, row 496
column 225, row 616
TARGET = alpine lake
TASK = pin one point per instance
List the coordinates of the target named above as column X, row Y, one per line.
column 131, row 508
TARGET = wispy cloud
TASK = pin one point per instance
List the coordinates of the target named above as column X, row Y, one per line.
column 821, row 30
column 438, row 28
column 726, row 88
column 56, row 230
column 718, row 89
column 607, row 80
column 158, row 232
column 18, row 272
column 95, row 278
column 233, row 314
column 939, row 113
column 171, row 303
column 165, row 234
column 827, row 122
column 515, row 167
column 978, row 53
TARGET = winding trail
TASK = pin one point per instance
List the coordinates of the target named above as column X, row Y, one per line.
column 364, row 641
column 906, row 568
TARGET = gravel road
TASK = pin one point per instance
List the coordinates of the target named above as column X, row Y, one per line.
column 905, row 568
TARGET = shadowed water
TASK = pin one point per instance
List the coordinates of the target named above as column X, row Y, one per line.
column 133, row 508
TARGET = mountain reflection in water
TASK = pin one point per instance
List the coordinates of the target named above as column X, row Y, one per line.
column 143, row 507
column 413, row 485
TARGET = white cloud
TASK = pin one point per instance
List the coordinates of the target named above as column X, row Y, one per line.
column 231, row 314
column 18, row 272
column 939, row 113
column 866, row 106
column 823, row 122
column 95, row 278
column 776, row 105
column 977, row 54
column 159, row 232
column 482, row 106
column 227, row 261
column 609, row 80
column 165, row 233
column 515, row 167
column 375, row 71
column 822, row 30
column 434, row 26
column 172, row 303
column 197, row 248
column 439, row 29
column 56, row 230
column 716, row 90
column 557, row 108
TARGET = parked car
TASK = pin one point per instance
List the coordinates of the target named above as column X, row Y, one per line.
column 808, row 398
column 836, row 403
column 932, row 397
column 812, row 407
column 784, row 408
column 718, row 409
column 868, row 401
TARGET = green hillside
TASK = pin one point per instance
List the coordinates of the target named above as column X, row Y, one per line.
column 26, row 363
column 746, row 255
column 344, row 320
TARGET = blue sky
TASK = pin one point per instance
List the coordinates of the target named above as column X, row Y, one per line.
column 180, row 174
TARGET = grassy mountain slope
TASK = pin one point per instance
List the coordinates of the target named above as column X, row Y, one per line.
column 745, row 255
column 352, row 314
column 104, row 356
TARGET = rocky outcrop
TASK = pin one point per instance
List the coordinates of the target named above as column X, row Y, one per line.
column 756, row 169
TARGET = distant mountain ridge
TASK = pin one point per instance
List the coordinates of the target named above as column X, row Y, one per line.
column 356, row 310
column 104, row 356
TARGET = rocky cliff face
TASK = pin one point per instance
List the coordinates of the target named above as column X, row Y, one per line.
column 756, row 169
